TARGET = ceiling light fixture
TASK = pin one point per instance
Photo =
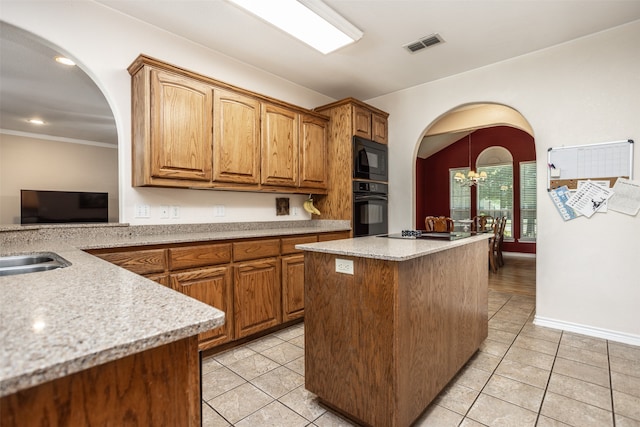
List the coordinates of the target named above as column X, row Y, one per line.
column 473, row 177
column 65, row 61
column 310, row 21
column 36, row 122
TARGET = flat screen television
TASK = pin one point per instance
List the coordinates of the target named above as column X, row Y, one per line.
column 62, row 207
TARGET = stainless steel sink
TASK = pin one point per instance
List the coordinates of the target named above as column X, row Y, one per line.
column 31, row 263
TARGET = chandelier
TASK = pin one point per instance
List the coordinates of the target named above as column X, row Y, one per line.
column 473, row 177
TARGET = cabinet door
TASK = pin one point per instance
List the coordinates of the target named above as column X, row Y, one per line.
column 256, row 296
column 280, row 135
column 379, row 128
column 361, row 122
column 236, row 147
column 181, row 127
column 211, row 286
column 313, row 153
column 292, row 287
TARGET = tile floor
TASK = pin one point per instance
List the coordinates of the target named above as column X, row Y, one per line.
column 523, row 375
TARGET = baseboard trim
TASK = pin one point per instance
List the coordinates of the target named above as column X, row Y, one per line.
column 588, row 330
column 518, row 255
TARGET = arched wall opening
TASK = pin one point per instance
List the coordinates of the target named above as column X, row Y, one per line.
column 456, row 140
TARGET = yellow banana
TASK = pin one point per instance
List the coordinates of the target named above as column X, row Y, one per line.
column 308, row 206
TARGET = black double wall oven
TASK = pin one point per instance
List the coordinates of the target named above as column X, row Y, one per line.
column 370, row 189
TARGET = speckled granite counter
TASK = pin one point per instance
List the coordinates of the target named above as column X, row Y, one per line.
column 62, row 321
column 387, row 248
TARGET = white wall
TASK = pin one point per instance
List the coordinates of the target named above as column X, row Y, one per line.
column 582, row 92
column 105, row 43
column 30, row 163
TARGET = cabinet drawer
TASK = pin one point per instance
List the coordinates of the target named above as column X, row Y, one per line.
column 289, row 243
column 199, row 256
column 254, row 249
column 141, row 262
column 334, row 236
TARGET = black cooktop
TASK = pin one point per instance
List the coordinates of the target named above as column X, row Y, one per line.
column 424, row 235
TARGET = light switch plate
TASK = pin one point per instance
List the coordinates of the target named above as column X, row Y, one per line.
column 164, row 212
column 142, row 211
column 344, row 266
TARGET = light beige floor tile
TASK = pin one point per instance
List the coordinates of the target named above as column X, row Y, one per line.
column 484, row 361
column 240, row 402
column 581, row 341
column 585, row 356
column 468, row 422
column 521, row 394
column 457, row 398
column 582, row 391
column 230, row 356
column 211, row 418
column 303, row 402
column 626, row 405
column 495, row 348
column 274, row 414
column 527, row 374
column 626, row 384
column 622, row 421
column 536, row 344
column 497, row 413
column 504, row 325
column 330, row 419
column 437, row 416
column 278, row 382
column 284, row 353
column 542, row 333
column 574, row 413
column 582, row 371
column 297, row 365
column 299, row 341
column 472, row 378
column 219, row 381
column 549, row 422
column 530, row 357
column 624, row 351
column 264, row 343
column 502, row 336
column 210, row 364
column 290, row 332
column 625, row 366
column 253, row 366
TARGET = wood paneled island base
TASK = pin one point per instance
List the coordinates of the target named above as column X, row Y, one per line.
column 382, row 343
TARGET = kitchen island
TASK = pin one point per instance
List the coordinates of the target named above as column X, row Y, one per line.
column 389, row 322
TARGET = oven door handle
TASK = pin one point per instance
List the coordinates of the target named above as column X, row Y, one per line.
column 371, row 197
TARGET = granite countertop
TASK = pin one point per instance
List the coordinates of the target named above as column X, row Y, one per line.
column 58, row 322
column 387, row 248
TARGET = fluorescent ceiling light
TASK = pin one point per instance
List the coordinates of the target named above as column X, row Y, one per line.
column 310, row 21
column 65, row 61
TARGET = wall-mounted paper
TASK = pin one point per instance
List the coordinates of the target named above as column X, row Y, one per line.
column 603, row 184
column 560, row 196
column 626, row 198
column 589, row 198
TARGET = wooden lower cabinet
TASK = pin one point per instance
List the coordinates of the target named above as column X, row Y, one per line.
column 156, row 387
column 292, row 287
column 256, row 296
column 212, row 286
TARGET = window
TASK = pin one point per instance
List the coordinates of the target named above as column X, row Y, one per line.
column 460, row 196
column 495, row 195
column 528, row 222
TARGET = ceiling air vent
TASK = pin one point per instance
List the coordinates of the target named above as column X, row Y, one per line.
column 424, row 43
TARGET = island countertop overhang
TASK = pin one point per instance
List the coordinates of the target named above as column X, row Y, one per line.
column 378, row 247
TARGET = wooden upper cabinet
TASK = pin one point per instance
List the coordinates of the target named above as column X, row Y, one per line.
column 379, row 129
column 313, row 152
column 361, row 122
column 236, row 145
column 181, row 127
column 280, row 137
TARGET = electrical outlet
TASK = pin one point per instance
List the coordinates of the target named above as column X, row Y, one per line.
column 142, row 211
column 174, row 211
column 344, row 266
column 218, row 210
column 164, row 212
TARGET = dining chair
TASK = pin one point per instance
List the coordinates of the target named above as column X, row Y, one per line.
column 481, row 223
column 500, row 259
column 494, row 243
column 438, row 223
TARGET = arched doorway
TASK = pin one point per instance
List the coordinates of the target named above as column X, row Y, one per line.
column 469, row 138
